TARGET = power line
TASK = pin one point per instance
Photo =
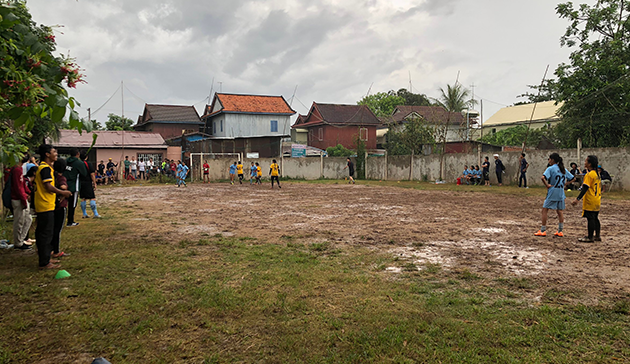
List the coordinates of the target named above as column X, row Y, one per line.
column 108, row 100
column 134, row 95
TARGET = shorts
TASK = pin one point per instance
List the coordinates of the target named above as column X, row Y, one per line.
column 206, row 173
column 590, row 214
column 87, row 191
column 351, row 173
column 486, row 176
column 554, row 205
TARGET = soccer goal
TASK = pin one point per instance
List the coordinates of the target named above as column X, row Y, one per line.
column 196, row 162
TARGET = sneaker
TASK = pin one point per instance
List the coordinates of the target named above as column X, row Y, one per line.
column 98, row 217
column 73, row 224
column 540, row 233
column 597, row 238
column 559, row 234
column 22, row 247
column 50, row 266
column 585, row 239
column 86, row 217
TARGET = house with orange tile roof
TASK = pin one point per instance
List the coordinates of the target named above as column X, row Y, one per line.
column 247, row 124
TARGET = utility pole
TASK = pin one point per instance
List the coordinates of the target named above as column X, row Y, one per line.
column 89, row 115
column 220, row 87
column 122, row 98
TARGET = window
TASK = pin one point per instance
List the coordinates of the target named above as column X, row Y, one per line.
column 363, row 133
column 221, row 126
column 494, row 130
column 274, row 126
column 157, row 158
column 321, row 134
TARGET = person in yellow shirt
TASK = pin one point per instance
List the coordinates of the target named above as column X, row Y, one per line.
column 239, row 171
column 45, row 198
column 258, row 174
column 274, row 172
column 592, row 193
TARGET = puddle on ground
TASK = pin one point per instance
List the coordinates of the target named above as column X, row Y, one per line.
column 490, row 230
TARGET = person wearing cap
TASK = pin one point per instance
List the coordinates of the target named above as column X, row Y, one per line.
column 605, row 178
column 499, row 169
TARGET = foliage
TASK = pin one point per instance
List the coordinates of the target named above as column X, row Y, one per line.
column 359, row 144
column 454, row 98
column 545, row 92
column 33, row 78
column 413, row 99
column 382, row 104
column 515, row 136
column 339, row 151
column 414, row 134
column 115, row 122
column 595, row 84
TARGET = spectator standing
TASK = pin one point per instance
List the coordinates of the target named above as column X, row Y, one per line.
column 605, row 178
column 74, row 169
column 101, row 168
column 486, row 171
column 88, row 185
column 32, row 162
column 61, row 207
column 523, row 171
column 206, row 172
column 349, row 166
column 127, row 167
column 499, row 169
column 45, row 197
column 150, row 166
column 141, row 169
column 134, row 167
column 21, row 208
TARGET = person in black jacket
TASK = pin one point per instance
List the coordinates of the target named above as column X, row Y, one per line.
column 499, row 169
column 75, row 168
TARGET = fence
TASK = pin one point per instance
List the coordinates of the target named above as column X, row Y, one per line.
column 615, row 160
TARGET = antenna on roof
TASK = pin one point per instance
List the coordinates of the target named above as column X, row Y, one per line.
column 369, row 89
column 211, row 89
column 292, row 97
column 220, row 87
column 410, row 86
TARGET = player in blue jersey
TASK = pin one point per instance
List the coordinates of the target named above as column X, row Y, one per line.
column 182, row 173
column 232, row 172
column 252, row 173
column 555, row 178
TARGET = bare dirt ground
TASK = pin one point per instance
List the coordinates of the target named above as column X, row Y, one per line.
column 489, row 234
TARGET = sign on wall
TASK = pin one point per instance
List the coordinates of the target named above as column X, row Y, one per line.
column 298, row 150
column 253, row 155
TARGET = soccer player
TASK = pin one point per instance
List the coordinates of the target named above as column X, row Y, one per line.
column 258, row 174
column 88, row 185
column 350, row 167
column 74, row 170
column 45, row 205
column 252, row 173
column 206, row 172
column 182, row 173
column 274, row 172
column 554, row 178
column 232, row 172
column 592, row 194
column 239, row 171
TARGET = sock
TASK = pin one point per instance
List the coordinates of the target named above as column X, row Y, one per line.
column 93, row 207
column 591, row 227
column 84, row 208
column 560, row 227
column 543, row 228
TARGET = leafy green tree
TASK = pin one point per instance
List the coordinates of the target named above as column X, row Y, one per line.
column 595, row 84
column 413, row 99
column 115, row 122
column 541, row 93
column 382, row 104
column 339, row 151
column 515, row 136
column 32, row 81
column 411, row 138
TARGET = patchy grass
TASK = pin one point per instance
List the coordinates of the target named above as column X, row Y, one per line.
column 235, row 299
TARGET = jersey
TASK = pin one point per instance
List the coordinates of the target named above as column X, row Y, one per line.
column 259, row 171
column 557, row 180
column 274, row 169
column 593, row 196
column 44, row 200
column 252, row 171
column 239, row 169
column 206, row 168
column 232, row 169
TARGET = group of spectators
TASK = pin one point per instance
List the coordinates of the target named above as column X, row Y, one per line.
column 51, row 189
column 605, row 177
column 140, row 169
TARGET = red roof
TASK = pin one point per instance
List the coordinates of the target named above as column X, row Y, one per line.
column 432, row 114
column 258, row 104
column 339, row 114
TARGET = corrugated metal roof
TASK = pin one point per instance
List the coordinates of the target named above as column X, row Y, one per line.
column 169, row 113
column 339, row 114
column 432, row 114
column 545, row 111
column 110, row 139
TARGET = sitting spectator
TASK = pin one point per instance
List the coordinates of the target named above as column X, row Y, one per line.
column 100, row 179
column 574, row 169
column 464, row 176
column 605, row 177
column 577, row 182
column 110, row 176
column 478, row 175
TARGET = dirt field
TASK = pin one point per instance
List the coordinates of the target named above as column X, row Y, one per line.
column 489, row 234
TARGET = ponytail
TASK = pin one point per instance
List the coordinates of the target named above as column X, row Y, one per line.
column 593, row 161
column 558, row 159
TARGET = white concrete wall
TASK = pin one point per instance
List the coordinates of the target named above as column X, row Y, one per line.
column 247, row 125
column 615, row 160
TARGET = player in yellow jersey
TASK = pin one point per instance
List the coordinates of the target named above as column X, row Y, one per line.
column 239, row 172
column 274, row 172
column 592, row 193
column 258, row 174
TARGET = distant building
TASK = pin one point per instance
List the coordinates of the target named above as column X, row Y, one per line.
column 546, row 115
column 327, row 125
column 115, row 145
column 449, row 124
column 254, row 124
column 169, row 120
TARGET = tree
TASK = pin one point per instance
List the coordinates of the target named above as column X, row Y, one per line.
column 595, row 84
column 454, row 98
column 546, row 92
column 382, row 104
column 115, row 122
column 33, row 79
column 411, row 139
column 515, row 136
column 339, row 151
column 413, row 99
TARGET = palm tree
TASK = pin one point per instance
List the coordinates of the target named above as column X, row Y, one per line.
column 454, row 98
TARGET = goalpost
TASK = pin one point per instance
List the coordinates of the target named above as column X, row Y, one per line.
column 208, row 155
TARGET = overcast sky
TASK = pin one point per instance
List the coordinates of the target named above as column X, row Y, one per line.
column 168, row 51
